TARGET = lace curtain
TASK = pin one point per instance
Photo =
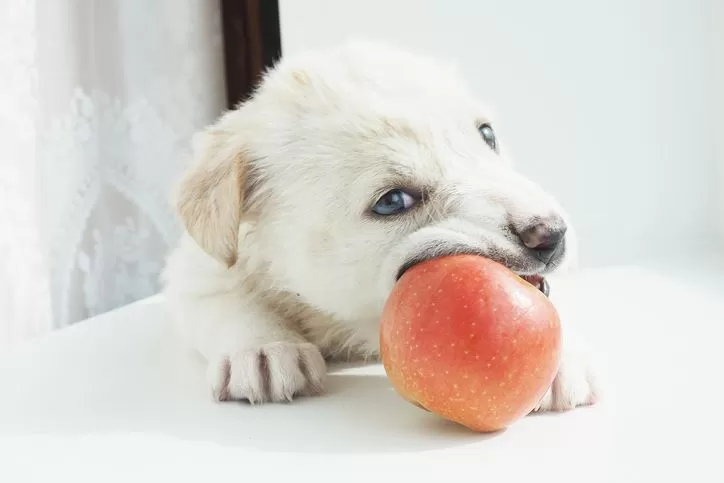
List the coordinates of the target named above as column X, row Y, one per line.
column 98, row 103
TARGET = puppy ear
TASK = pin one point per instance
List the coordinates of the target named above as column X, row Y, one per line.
column 209, row 199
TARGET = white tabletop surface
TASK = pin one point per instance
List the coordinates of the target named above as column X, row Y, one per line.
column 115, row 397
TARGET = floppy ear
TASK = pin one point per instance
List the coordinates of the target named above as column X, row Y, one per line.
column 209, row 199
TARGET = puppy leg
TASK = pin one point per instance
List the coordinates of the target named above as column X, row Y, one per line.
column 252, row 354
column 575, row 384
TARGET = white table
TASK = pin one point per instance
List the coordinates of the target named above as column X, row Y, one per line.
column 115, row 397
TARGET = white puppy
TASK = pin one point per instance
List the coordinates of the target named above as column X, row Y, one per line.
column 307, row 202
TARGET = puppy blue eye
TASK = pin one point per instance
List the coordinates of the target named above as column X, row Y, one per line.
column 393, row 202
column 488, row 135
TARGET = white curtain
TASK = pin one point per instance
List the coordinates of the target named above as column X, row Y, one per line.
column 98, row 102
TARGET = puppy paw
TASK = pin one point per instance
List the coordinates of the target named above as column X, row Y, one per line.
column 275, row 372
column 575, row 385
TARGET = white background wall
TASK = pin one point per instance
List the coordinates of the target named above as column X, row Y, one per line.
column 609, row 104
column 717, row 23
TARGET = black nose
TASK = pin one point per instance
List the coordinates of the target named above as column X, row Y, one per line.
column 546, row 240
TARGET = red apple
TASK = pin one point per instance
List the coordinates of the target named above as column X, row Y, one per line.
column 466, row 338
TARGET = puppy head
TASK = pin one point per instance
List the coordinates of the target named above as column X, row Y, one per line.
column 349, row 166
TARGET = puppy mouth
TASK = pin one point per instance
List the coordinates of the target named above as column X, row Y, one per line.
column 537, row 280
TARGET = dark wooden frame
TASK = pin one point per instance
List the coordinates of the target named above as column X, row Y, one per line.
column 252, row 43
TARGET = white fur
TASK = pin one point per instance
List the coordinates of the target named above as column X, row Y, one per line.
column 282, row 262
